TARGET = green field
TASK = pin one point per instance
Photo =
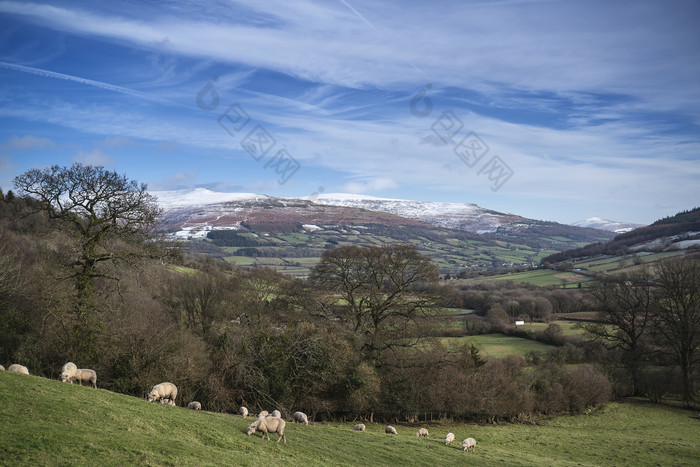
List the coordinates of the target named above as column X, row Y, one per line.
column 497, row 345
column 45, row 422
column 539, row 277
column 568, row 328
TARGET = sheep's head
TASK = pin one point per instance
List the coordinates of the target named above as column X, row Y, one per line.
column 251, row 428
column 64, row 377
column 152, row 396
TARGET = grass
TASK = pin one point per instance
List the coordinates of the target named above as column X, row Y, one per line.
column 539, row 277
column 45, row 422
column 497, row 345
column 568, row 328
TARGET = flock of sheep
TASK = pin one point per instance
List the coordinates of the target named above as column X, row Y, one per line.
column 266, row 423
column 468, row 444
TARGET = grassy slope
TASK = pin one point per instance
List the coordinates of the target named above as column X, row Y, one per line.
column 45, row 422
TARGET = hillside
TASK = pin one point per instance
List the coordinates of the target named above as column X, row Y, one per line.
column 45, row 422
column 290, row 234
column 678, row 232
column 605, row 224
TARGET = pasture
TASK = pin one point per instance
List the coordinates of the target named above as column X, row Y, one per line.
column 45, row 422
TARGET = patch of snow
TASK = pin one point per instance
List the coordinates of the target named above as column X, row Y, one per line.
column 311, row 227
column 199, row 197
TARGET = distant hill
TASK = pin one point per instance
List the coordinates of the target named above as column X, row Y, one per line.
column 290, row 234
column 678, row 232
column 610, row 226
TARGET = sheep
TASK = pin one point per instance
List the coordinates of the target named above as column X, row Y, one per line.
column 68, row 371
column 16, row 368
column 194, row 405
column 2, row 368
column 449, row 439
column 300, row 417
column 163, row 391
column 422, row 432
column 71, row 373
column 390, row 430
column 264, row 413
column 276, row 414
column 87, row 376
column 268, row 425
column 359, row 427
column 469, row 444
column 243, row 411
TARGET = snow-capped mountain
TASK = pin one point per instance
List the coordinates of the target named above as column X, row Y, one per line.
column 461, row 216
column 201, row 207
column 610, row 226
column 193, row 213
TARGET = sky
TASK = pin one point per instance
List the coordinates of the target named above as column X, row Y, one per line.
column 554, row 110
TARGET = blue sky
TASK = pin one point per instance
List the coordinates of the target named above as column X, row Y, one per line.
column 556, row 110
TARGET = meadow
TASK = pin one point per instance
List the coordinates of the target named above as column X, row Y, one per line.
column 45, row 422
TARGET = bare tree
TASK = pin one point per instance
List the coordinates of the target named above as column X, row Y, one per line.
column 677, row 315
column 378, row 288
column 625, row 301
column 110, row 217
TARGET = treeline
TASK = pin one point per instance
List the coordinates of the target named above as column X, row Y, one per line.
column 511, row 300
column 231, row 238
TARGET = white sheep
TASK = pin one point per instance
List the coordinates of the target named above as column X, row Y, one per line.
column 71, row 373
column 17, row 368
column 194, row 405
column 422, row 432
column 390, row 430
column 300, row 417
column 243, row 411
column 359, row 427
column 2, row 368
column 449, row 439
column 276, row 413
column 68, row 371
column 264, row 413
column 163, row 391
column 469, row 444
column 268, row 425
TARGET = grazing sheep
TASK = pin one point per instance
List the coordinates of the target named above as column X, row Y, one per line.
column 264, row 413
column 390, row 430
column 194, row 405
column 469, row 444
column 422, row 432
column 71, row 373
column 2, row 368
column 300, row 417
column 359, row 427
column 449, row 439
column 268, row 425
column 163, row 391
column 276, row 414
column 16, row 368
column 86, row 376
column 243, row 411
column 68, row 371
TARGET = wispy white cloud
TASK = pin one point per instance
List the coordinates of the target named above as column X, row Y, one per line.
column 95, row 157
column 369, row 186
column 23, row 143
